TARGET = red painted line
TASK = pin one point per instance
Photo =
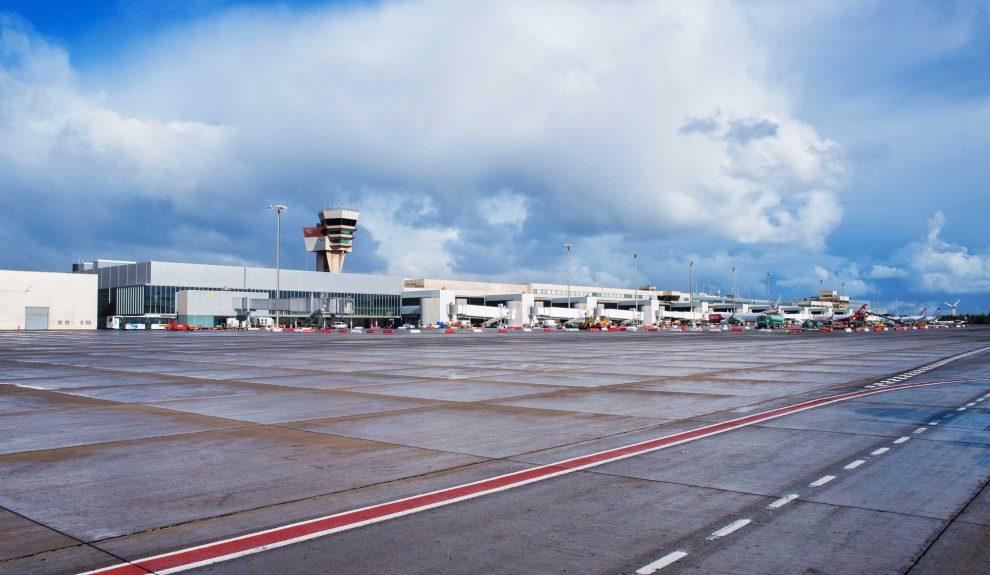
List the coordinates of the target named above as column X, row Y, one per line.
column 280, row 536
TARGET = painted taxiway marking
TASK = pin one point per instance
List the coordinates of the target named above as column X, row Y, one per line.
column 661, row 563
column 855, row 464
column 822, row 480
column 880, row 451
column 730, row 528
column 970, row 404
column 920, row 430
column 901, row 440
column 783, row 501
column 227, row 549
column 960, row 409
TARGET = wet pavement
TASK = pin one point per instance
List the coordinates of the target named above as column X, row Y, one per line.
column 118, row 446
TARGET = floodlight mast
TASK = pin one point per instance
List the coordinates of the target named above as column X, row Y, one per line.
column 734, row 295
column 691, row 291
column 567, row 271
column 635, row 282
column 279, row 209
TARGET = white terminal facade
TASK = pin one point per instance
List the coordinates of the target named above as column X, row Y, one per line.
column 47, row 301
column 146, row 294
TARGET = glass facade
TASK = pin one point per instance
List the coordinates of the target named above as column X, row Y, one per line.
column 161, row 299
column 579, row 293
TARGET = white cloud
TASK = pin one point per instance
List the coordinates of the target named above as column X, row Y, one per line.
column 570, row 112
column 880, row 271
column 504, row 208
column 941, row 266
column 410, row 250
column 61, row 141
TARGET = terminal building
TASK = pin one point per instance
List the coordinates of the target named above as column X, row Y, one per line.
column 143, row 294
column 151, row 293
column 47, row 301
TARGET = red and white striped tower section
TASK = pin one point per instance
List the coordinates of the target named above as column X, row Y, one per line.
column 332, row 239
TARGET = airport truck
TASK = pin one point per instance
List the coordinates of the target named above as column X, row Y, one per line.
column 769, row 321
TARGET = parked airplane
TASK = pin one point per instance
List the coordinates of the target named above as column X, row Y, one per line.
column 860, row 314
column 745, row 317
column 920, row 318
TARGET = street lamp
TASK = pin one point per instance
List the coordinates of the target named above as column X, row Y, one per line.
column 769, row 296
column 567, row 271
column 635, row 282
column 278, row 209
column 734, row 295
column 691, row 289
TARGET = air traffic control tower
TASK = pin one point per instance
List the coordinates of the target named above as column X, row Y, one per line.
column 332, row 239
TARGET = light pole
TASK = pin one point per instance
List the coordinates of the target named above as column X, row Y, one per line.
column 734, row 295
column 278, row 209
column 635, row 282
column 691, row 289
column 769, row 297
column 567, row 271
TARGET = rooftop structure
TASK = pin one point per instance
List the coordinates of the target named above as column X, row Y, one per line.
column 827, row 299
column 332, row 239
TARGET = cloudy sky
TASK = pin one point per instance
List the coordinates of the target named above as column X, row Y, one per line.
column 847, row 142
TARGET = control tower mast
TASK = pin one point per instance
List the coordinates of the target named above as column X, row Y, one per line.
column 332, row 239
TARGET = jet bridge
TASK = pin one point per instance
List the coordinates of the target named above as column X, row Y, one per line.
column 493, row 314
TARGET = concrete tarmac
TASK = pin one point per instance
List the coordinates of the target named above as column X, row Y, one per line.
column 118, row 446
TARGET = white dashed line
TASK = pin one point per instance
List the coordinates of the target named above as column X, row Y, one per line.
column 661, row 563
column 783, row 501
column 880, row 451
column 822, row 481
column 900, row 440
column 730, row 528
column 855, row 464
column 961, row 409
column 932, row 423
column 920, row 430
column 971, row 404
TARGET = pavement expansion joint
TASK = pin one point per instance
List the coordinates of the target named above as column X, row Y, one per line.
column 719, row 530
column 319, row 527
column 948, row 524
column 773, row 506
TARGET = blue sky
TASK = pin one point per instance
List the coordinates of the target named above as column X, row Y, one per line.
column 836, row 141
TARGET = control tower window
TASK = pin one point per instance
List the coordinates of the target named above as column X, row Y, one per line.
column 339, row 222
